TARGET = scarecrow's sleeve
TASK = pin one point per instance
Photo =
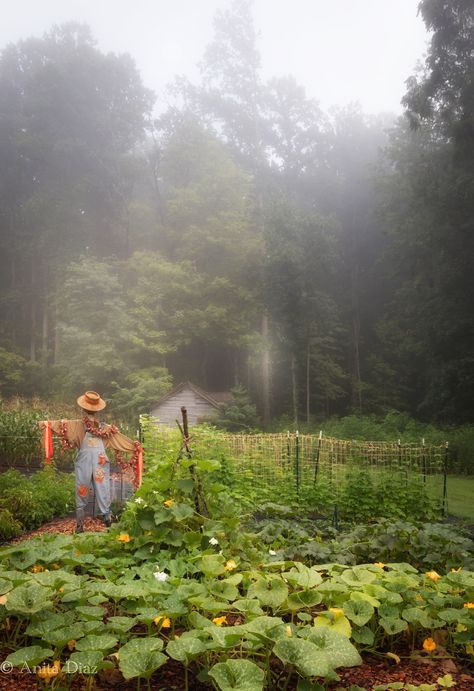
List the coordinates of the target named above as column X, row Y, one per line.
column 123, row 444
column 120, row 442
column 71, row 431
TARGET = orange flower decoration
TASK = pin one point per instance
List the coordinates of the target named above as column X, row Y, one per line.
column 83, row 490
column 124, row 537
column 429, row 645
column 469, row 605
column 434, row 576
column 164, row 622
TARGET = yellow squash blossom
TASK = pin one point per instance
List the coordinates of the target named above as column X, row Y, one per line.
column 124, row 537
column 49, row 672
column 380, row 564
column 61, row 589
column 429, row 645
column 218, row 621
column 168, row 502
column 433, row 575
column 165, row 622
column 37, row 568
column 469, row 605
column 230, row 565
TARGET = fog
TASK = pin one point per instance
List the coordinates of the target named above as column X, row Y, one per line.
column 275, row 222
column 341, row 50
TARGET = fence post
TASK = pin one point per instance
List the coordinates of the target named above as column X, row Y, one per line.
column 445, row 479
column 423, row 459
column 318, row 452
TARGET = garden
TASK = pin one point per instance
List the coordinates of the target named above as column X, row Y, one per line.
column 214, row 579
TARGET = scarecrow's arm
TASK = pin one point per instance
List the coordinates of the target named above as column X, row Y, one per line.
column 70, row 430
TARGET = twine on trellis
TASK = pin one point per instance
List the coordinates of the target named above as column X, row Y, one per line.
column 301, row 460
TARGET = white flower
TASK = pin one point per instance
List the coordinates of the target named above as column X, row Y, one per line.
column 213, row 541
column 271, row 552
column 160, row 575
column 139, row 500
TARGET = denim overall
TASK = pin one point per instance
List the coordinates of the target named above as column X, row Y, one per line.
column 92, row 465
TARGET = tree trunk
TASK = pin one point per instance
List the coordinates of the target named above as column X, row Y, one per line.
column 33, row 312
column 265, row 373
column 45, row 335
column 294, row 389
column 308, row 363
column 56, row 338
column 356, row 378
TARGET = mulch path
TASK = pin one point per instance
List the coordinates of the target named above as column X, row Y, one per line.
column 67, row 526
column 170, row 677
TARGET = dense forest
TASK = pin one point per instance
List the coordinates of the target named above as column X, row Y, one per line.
column 236, row 233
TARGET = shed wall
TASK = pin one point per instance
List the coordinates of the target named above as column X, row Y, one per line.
column 170, row 410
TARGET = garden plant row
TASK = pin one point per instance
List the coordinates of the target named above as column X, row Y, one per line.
column 178, row 578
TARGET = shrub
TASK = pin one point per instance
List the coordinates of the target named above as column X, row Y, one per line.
column 27, row 502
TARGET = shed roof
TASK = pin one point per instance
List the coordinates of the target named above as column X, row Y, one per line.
column 214, row 399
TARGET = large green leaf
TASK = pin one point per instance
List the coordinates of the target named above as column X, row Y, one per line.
column 303, row 576
column 212, row 564
column 249, row 606
column 308, row 659
column 337, row 647
column 185, row 648
column 335, row 620
column 241, row 675
column 41, row 628
column 120, row 624
column 140, row 657
column 32, row 655
column 393, row 626
column 304, row 598
column 227, row 636
column 266, row 628
column 29, row 599
column 61, row 635
column 102, row 642
column 358, row 576
column 91, row 612
column 271, row 591
column 358, row 611
column 182, row 511
column 224, row 589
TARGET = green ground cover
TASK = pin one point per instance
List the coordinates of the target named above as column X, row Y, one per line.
column 181, row 578
column 461, row 496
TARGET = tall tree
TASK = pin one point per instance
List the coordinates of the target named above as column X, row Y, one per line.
column 70, row 117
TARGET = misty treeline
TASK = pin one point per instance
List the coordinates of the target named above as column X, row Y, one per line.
column 323, row 260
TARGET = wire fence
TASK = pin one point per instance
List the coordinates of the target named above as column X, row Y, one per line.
column 291, row 467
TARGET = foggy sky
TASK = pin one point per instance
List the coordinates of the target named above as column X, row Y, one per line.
column 341, row 50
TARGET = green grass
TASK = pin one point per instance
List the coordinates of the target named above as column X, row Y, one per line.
column 461, row 496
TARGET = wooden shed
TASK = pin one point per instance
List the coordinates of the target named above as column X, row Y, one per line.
column 200, row 404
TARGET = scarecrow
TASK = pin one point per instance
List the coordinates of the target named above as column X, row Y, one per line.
column 92, row 465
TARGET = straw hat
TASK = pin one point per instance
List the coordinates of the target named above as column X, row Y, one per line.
column 91, row 401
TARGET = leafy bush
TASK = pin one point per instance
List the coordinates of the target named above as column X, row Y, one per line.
column 426, row 546
column 28, row 502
